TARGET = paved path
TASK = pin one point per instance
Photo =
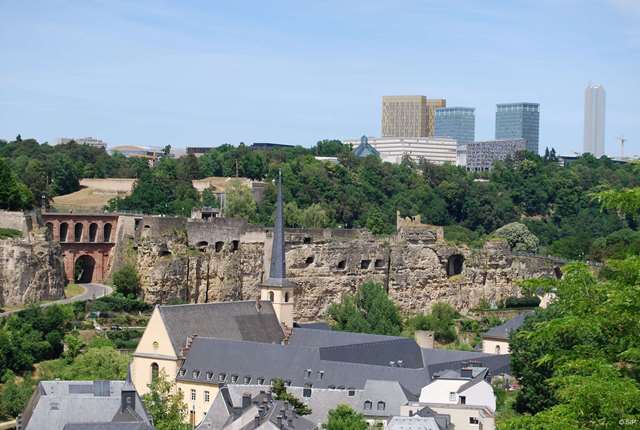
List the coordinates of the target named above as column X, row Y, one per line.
column 91, row 291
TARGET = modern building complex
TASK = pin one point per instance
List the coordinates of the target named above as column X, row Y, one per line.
column 152, row 154
column 437, row 150
column 519, row 121
column 480, row 156
column 198, row 151
column 89, row 141
column 404, row 116
column 594, row 120
column 432, row 106
column 457, row 123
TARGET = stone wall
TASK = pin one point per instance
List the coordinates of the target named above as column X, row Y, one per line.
column 325, row 264
column 15, row 220
column 30, row 271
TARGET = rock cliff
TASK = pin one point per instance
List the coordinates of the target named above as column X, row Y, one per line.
column 30, row 271
column 416, row 273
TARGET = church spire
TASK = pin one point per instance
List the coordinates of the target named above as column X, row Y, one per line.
column 278, row 270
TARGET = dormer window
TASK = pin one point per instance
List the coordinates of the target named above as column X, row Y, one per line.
column 195, row 374
column 287, row 383
column 452, row 396
column 321, row 374
column 381, row 406
column 209, row 376
column 260, row 381
column 183, row 372
column 308, row 373
column 368, row 405
column 222, row 377
column 247, row 379
column 234, row 379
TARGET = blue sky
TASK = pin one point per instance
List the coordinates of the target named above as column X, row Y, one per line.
column 204, row 73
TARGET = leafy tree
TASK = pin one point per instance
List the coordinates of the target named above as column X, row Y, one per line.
column 368, row 311
column 14, row 194
column 126, row 280
column 14, row 395
column 165, row 404
column 280, row 391
column 239, row 202
column 441, row 321
column 73, row 344
column 315, row 216
column 518, row 236
column 345, row 418
column 209, row 198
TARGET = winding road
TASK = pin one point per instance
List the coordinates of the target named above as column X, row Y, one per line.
column 91, row 291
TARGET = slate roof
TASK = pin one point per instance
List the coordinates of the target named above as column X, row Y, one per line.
column 303, row 336
column 504, row 330
column 242, row 320
column 77, row 405
column 414, row 423
column 365, row 149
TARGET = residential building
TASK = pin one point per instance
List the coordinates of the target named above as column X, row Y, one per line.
column 480, row 156
column 404, row 116
column 457, row 123
column 84, row 405
column 432, row 106
column 519, row 121
column 594, row 119
column 89, row 141
column 199, row 151
column 242, row 347
column 496, row 340
column 437, row 150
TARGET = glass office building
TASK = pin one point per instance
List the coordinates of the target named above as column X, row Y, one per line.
column 519, row 121
column 456, row 123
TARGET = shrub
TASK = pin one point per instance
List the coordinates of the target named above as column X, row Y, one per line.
column 126, row 280
column 521, row 302
column 519, row 237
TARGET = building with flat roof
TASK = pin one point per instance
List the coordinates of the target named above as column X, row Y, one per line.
column 89, row 141
column 480, row 156
column 198, row 151
column 519, row 121
column 432, row 106
column 457, row 123
column 404, row 116
column 594, row 118
column 270, row 145
column 437, row 150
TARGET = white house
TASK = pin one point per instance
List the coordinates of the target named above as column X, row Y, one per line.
column 467, row 387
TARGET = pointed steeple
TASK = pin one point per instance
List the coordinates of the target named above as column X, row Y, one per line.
column 278, row 270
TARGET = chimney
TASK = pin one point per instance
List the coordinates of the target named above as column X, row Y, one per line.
column 424, row 338
column 466, row 372
column 246, row 400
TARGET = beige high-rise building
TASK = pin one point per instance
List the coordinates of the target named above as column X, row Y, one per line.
column 432, row 105
column 404, row 116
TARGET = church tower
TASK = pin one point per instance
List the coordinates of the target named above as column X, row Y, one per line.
column 277, row 288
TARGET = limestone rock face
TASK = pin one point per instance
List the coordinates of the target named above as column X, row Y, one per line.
column 30, row 271
column 416, row 274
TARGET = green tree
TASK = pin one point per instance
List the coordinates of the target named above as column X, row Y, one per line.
column 315, row 216
column 441, row 321
column 209, row 198
column 165, row 404
column 14, row 395
column 73, row 345
column 97, row 363
column 239, row 202
column 126, row 280
column 518, row 236
column 280, row 391
column 345, row 418
column 14, row 194
column 368, row 311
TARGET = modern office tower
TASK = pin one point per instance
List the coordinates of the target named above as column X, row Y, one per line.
column 519, row 121
column 480, row 156
column 432, row 106
column 594, row 104
column 457, row 123
column 404, row 116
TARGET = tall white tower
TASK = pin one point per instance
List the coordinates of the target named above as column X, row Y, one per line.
column 594, row 107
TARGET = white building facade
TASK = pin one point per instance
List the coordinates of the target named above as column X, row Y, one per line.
column 436, row 150
column 594, row 118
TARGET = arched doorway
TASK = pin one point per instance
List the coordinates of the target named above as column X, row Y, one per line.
column 83, row 269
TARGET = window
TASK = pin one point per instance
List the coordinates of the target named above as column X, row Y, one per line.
column 235, row 244
column 286, row 297
column 209, row 376
column 271, row 296
column 381, row 406
column 219, row 245
column 287, row 383
column 306, row 240
column 155, row 344
column 321, row 374
column 351, row 392
column 193, row 394
column 195, row 374
column 455, row 264
column 364, row 264
column 247, row 379
column 106, row 232
column 234, row 379
column 368, row 405
column 260, row 381
column 497, row 349
column 342, row 265
column 463, row 400
column 473, row 420
column 206, row 396
column 309, row 260
column 306, row 391
column 308, row 373
column 154, row 371
column 452, row 396
column 379, row 264
column 331, row 387
column 222, row 377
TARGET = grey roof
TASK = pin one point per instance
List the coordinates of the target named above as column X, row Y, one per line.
column 303, row 336
column 243, row 320
column 277, row 270
column 365, row 149
column 414, row 423
column 504, row 330
column 324, row 367
column 75, row 405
